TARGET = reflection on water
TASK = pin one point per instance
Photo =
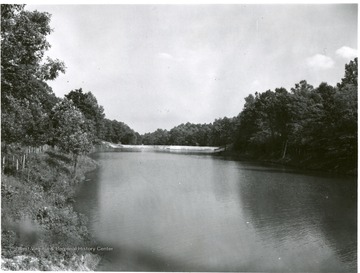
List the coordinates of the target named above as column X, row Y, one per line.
column 172, row 212
column 310, row 217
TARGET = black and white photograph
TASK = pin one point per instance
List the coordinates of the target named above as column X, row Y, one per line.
column 179, row 137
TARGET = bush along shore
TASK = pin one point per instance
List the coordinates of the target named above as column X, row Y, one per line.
column 40, row 229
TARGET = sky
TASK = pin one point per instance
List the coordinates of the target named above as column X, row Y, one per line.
column 157, row 66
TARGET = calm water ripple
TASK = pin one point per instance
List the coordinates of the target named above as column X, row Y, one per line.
column 174, row 212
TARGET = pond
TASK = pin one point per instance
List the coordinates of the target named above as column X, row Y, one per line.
column 152, row 211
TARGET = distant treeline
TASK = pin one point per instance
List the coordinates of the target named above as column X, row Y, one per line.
column 218, row 133
column 313, row 127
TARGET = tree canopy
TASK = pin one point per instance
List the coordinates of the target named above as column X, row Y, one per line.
column 312, row 127
column 26, row 98
column 92, row 111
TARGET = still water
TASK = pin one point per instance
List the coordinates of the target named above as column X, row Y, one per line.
column 176, row 212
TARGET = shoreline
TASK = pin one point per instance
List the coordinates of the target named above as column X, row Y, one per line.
column 107, row 146
column 298, row 166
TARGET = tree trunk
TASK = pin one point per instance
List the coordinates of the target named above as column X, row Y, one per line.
column 75, row 163
column 285, row 148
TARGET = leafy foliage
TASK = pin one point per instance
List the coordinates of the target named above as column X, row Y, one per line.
column 93, row 113
column 70, row 132
column 218, row 133
column 310, row 127
column 26, row 98
column 118, row 132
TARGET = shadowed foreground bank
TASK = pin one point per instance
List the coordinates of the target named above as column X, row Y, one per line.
column 40, row 229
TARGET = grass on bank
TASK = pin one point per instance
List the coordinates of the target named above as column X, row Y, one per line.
column 40, row 229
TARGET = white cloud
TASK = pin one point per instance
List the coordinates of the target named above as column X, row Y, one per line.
column 347, row 52
column 255, row 83
column 320, row 61
column 167, row 56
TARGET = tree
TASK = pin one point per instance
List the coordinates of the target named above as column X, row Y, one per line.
column 23, row 42
column 346, row 110
column 26, row 98
column 307, row 112
column 246, row 126
column 264, row 125
column 351, row 74
column 69, row 130
column 178, row 135
column 222, row 131
column 159, row 137
column 118, row 132
column 92, row 111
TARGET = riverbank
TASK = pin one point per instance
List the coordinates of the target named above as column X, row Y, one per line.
column 304, row 165
column 40, row 228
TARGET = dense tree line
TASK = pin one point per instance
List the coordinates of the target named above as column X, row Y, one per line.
column 218, row 133
column 118, row 132
column 313, row 127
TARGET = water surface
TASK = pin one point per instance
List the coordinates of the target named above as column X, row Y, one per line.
column 174, row 212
